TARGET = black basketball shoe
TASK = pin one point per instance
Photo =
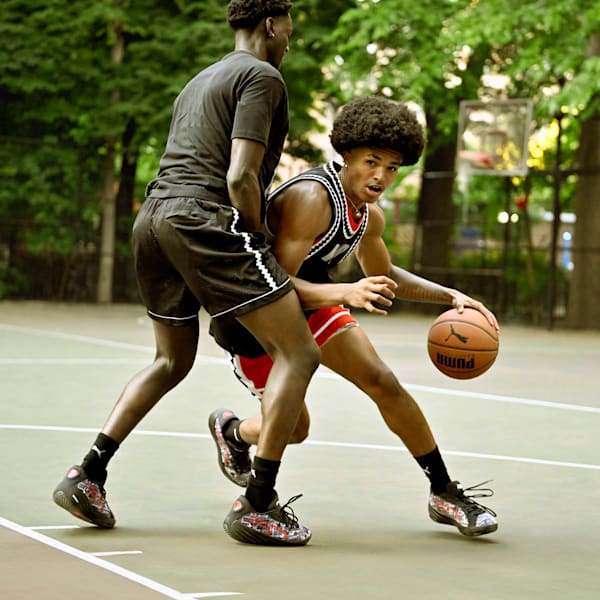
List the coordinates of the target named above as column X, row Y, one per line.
column 234, row 461
column 457, row 507
column 84, row 499
column 277, row 526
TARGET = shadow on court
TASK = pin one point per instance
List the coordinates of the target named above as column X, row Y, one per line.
column 529, row 424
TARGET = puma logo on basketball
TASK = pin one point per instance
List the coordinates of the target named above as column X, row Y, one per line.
column 460, row 338
column 455, row 363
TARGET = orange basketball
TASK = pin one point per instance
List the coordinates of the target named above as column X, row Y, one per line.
column 462, row 346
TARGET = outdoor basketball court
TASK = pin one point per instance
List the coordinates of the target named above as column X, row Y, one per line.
column 530, row 424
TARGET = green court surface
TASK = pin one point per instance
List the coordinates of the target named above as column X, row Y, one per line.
column 530, row 424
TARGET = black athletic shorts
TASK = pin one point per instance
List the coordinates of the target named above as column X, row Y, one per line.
column 190, row 253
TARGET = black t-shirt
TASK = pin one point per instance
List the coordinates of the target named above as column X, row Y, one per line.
column 238, row 97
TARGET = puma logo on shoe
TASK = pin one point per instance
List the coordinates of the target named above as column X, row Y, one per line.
column 98, row 451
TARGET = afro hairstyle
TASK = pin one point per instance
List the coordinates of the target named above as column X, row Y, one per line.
column 247, row 14
column 376, row 122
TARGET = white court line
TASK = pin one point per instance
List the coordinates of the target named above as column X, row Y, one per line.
column 321, row 372
column 103, row 564
column 510, row 399
column 72, row 361
column 386, row 448
column 117, row 553
column 207, row 360
column 51, row 527
column 521, row 459
column 325, row 374
column 210, row 595
column 77, row 338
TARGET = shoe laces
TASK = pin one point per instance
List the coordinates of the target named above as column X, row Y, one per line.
column 475, row 491
column 286, row 514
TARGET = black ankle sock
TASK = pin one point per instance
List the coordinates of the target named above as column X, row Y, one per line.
column 232, row 434
column 96, row 460
column 433, row 466
column 261, row 486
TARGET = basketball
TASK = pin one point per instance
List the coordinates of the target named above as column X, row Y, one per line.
column 462, row 346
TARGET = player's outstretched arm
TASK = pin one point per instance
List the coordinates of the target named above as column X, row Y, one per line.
column 301, row 214
column 374, row 258
column 372, row 294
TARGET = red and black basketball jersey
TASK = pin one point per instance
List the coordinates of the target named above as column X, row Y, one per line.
column 328, row 250
column 343, row 233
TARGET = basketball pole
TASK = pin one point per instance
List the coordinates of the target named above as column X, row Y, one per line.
column 557, row 210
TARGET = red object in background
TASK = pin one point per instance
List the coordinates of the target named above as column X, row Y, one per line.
column 521, row 202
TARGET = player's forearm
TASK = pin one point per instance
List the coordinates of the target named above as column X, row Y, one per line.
column 320, row 295
column 418, row 289
column 244, row 195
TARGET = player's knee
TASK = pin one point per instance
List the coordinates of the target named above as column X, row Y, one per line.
column 382, row 383
column 301, row 358
column 174, row 368
column 309, row 357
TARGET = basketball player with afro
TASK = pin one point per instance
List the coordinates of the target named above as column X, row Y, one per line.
column 315, row 220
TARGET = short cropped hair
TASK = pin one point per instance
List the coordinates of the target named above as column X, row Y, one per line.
column 247, row 14
column 377, row 122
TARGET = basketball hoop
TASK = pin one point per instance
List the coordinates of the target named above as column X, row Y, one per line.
column 493, row 138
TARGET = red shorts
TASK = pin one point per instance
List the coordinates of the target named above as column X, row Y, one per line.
column 324, row 324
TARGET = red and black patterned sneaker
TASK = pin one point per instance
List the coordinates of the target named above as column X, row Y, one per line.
column 233, row 461
column 84, row 499
column 457, row 507
column 277, row 526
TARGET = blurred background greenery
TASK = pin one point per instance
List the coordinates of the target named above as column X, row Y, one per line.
column 86, row 90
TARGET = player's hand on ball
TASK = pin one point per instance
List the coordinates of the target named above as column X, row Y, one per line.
column 374, row 294
column 460, row 301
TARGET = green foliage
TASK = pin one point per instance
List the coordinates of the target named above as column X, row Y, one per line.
column 66, row 91
column 522, row 299
column 434, row 52
column 64, row 96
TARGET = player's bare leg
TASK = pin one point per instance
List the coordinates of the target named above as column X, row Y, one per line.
column 175, row 354
column 351, row 355
column 282, row 330
column 256, row 517
column 249, row 428
column 81, row 491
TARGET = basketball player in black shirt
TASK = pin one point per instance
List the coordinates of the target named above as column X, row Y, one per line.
column 197, row 243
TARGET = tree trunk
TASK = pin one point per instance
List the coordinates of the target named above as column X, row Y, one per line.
column 124, row 288
column 104, row 291
column 124, row 198
column 436, row 211
column 584, row 308
column 107, row 232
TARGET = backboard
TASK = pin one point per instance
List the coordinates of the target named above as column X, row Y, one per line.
column 493, row 137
